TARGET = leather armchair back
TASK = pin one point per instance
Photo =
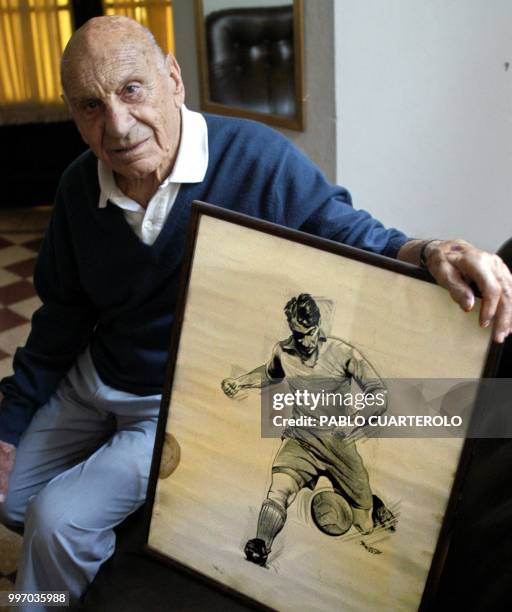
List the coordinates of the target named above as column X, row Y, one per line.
column 251, row 58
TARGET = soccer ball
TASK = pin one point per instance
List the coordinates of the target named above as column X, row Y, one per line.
column 331, row 513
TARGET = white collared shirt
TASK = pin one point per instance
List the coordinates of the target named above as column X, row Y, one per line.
column 190, row 167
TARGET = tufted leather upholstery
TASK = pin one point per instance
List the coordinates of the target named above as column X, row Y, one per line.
column 251, row 60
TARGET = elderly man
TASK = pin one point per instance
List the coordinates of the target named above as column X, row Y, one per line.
column 82, row 405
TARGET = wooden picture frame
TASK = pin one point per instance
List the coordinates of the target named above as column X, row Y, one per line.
column 215, row 468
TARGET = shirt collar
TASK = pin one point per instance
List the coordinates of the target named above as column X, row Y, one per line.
column 190, row 165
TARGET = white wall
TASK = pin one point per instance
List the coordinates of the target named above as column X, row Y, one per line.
column 414, row 114
column 424, row 104
column 319, row 139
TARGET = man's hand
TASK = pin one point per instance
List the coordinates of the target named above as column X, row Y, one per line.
column 231, row 386
column 7, row 455
column 455, row 264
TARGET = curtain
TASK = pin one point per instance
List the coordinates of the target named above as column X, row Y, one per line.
column 33, row 34
column 156, row 15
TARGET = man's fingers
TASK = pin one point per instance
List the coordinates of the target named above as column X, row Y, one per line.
column 3, row 485
column 494, row 280
column 488, row 277
column 455, row 263
column 501, row 327
column 503, row 318
column 451, row 279
column 7, row 455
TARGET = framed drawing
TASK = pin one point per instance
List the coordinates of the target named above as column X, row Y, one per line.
column 316, row 515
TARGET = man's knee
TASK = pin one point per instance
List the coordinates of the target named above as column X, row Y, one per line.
column 44, row 517
column 54, row 529
column 57, row 518
column 58, row 524
column 283, row 489
column 66, row 547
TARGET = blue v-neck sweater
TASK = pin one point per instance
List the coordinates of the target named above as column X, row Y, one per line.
column 101, row 286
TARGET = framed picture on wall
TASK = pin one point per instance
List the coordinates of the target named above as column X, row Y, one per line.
column 274, row 473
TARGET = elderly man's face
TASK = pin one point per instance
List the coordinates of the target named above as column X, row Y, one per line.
column 126, row 104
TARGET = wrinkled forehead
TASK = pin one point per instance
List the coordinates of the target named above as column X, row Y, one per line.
column 102, row 62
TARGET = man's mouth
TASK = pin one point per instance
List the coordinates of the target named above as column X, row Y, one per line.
column 131, row 148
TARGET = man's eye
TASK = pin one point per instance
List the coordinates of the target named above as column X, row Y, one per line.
column 91, row 105
column 131, row 90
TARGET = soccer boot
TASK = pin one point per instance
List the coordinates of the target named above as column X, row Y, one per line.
column 382, row 515
column 256, row 551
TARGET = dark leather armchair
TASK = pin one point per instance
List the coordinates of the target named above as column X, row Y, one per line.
column 251, row 59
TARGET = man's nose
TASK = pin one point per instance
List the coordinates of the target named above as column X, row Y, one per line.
column 118, row 119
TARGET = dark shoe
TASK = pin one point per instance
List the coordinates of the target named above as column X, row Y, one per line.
column 382, row 516
column 256, row 551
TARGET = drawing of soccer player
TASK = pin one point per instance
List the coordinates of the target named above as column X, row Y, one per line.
column 309, row 359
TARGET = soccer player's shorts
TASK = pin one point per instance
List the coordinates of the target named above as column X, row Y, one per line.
column 339, row 462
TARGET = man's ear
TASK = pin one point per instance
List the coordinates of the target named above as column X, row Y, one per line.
column 173, row 69
column 65, row 100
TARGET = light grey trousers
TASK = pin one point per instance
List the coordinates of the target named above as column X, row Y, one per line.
column 81, row 467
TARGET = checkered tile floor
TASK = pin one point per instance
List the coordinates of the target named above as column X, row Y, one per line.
column 18, row 301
